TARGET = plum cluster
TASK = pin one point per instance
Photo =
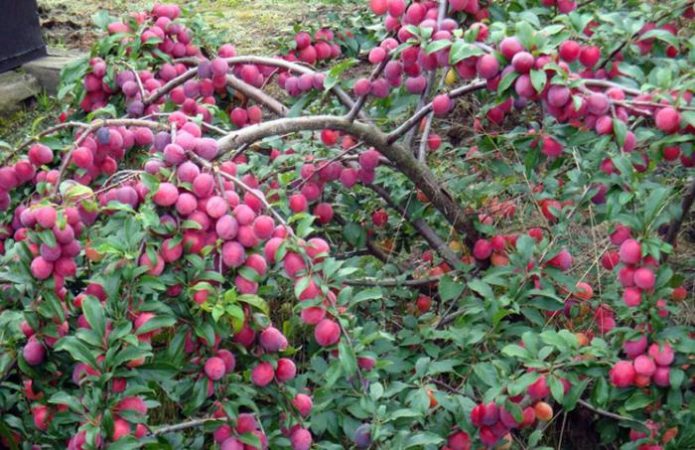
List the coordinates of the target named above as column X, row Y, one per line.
column 644, row 366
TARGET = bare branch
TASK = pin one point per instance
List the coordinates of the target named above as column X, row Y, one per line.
column 258, row 95
column 46, row 132
column 344, row 98
column 259, row 195
column 141, row 88
column 605, row 413
column 357, row 107
column 184, row 425
column 422, row 112
column 392, row 282
column 98, row 124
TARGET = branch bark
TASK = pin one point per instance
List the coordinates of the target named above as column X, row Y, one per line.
column 402, row 158
column 257, row 95
column 184, row 425
column 344, row 98
column 396, row 134
column 392, row 282
column 686, row 204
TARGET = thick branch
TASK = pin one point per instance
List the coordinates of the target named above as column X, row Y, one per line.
column 402, row 158
column 344, row 98
column 257, row 95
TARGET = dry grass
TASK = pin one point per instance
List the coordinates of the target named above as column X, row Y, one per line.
column 253, row 26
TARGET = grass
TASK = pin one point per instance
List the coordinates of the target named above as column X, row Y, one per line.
column 254, row 27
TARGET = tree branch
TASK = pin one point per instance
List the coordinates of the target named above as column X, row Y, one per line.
column 258, row 95
column 402, row 158
column 344, row 98
column 605, row 413
column 686, row 204
column 91, row 128
column 396, row 134
column 357, row 107
column 184, row 425
column 392, row 282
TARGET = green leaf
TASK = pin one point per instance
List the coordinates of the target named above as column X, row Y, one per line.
column 255, row 301
column 250, row 439
column 519, row 386
column 102, row 19
column 62, row 398
column 516, row 351
column 423, row 439
column 347, row 358
column 507, row 81
column 556, row 388
column 461, row 50
column 449, row 288
column 156, row 323
column 638, row 400
column 437, row 45
column 481, row 288
column 333, row 76
column 77, row 350
column 620, row 131
column 94, row 313
column 372, row 293
column 575, row 392
column 538, row 79
column 661, row 35
column 487, row 373
column 355, row 235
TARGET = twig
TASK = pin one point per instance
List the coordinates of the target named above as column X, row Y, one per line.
column 603, row 412
column 441, row 13
column 328, row 162
column 241, row 184
column 184, row 425
column 636, row 34
column 392, row 282
column 372, row 248
column 41, row 134
column 357, row 107
column 138, row 80
column 396, row 134
column 91, row 128
column 344, row 98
